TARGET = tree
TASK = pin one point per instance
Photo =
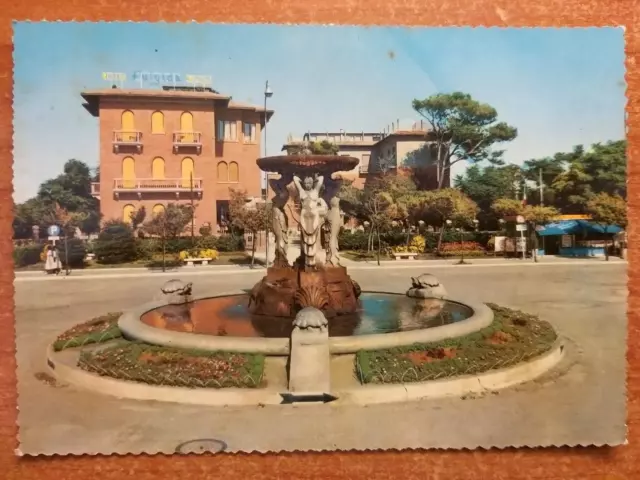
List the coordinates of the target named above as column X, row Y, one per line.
column 607, row 210
column 324, row 147
column 171, row 222
column 254, row 218
column 461, row 129
column 137, row 217
column 438, row 206
column 70, row 191
column 486, row 185
column 507, row 207
column 600, row 169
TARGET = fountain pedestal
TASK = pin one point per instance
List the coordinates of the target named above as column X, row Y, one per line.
column 286, row 290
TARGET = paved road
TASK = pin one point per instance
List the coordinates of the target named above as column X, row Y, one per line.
column 586, row 404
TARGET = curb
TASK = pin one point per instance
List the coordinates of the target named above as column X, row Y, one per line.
column 364, row 395
column 132, row 327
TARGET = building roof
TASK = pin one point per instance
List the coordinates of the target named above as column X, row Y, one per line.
column 92, row 97
column 575, row 227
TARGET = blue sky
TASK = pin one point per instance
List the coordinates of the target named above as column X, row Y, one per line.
column 559, row 87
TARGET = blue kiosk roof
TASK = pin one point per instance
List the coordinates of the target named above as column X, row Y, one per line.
column 576, row 227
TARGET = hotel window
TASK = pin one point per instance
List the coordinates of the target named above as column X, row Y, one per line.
column 157, row 209
column 249, row 132
column 223, row 172
column 227, row 131
column 233, row 172
column 157, row 122
column 127, row 212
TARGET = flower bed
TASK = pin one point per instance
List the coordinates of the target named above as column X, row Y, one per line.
column 457, row 249
column 513, row 337
column 206, row 253
column 155, row 365
column 97, row 330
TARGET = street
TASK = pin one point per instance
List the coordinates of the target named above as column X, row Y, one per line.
column 582, row 403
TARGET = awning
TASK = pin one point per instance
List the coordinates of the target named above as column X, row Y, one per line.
column 576, row 227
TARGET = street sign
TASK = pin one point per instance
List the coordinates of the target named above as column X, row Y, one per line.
column 53, row 238
column 53, row 231
column 520, row 219
column 521, row 228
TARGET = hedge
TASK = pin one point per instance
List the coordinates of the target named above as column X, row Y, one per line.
column 358, row 240
column 27, row 254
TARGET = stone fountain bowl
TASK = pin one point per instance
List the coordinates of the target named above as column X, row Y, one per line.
column 304, row 164
column 140, row 324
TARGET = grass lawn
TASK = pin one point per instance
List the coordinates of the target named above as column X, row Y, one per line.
column 97, row 330
column 513, row 337
column 157, row 365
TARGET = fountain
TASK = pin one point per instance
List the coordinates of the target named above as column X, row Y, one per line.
column 309, row 311
column 309, row 282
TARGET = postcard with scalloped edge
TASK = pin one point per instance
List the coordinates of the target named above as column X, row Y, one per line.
column 237, row 238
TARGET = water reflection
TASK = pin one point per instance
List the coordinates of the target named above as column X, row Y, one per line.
column 378, row 313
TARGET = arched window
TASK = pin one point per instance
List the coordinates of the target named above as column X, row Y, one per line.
column 233, row 172
column 127, row 211
column 186, row 127
column 187, row 172
column 157, row 209
column 128, row 126
column 223, row 172
column 128, row 172
column 157, row 122
column 157, row 168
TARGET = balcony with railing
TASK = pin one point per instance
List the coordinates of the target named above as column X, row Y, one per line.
column 95, row 189
column 127, row 138
column 363, row 169
column 154, row 185
column 187, row 140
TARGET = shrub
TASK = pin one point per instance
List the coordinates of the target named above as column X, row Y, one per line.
column 147, row 247
column 27, row 255
column 115, row 244
column 207, row 241
column 205, row 230
column 356, row 240
column 418, row 243
column 177, row 244
column 230, row 243
column 76, row 251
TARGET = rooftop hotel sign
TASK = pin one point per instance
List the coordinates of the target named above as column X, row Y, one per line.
column 157, row 78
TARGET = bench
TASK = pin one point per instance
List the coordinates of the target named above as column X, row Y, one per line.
column 192, row 261
column 404, row 255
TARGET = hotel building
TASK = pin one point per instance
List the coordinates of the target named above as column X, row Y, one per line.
column 398, row 148
column 174, row 145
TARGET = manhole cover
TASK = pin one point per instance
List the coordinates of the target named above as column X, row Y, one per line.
column 201, row 446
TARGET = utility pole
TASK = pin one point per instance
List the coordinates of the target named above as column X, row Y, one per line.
column 541, row 187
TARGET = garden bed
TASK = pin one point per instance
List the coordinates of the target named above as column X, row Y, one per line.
column 155, row 365
column 97, row 330
column 512, row 338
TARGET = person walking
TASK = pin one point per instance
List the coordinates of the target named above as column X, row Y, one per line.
column 52, row 262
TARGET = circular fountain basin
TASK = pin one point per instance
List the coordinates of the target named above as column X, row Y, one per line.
column 224, row 323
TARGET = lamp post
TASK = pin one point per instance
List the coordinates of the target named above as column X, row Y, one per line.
column 521, row 226
column 268, row 93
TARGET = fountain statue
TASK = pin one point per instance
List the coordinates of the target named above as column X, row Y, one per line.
column 310, row 281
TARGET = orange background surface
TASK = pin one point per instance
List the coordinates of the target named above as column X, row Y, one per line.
column 621, row 463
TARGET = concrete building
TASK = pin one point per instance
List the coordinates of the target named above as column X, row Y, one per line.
column 172, row 145
column 403, row 148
